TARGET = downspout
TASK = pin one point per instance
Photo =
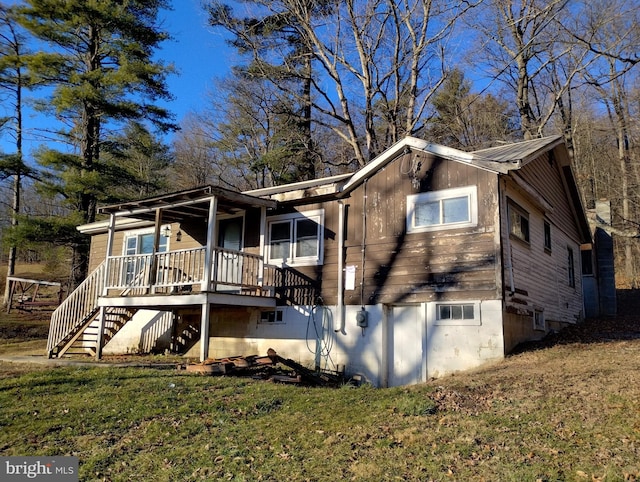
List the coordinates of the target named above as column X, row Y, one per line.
column 364, row 241
column 340, row 297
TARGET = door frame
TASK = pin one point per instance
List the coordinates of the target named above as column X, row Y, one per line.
column 388, row 338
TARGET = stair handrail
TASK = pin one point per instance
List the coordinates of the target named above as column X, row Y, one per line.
column 77, row 308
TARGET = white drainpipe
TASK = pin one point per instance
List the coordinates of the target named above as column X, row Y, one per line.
column 340, row 310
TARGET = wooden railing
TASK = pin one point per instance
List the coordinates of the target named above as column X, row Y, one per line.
column 183, row 270
column 76, row 309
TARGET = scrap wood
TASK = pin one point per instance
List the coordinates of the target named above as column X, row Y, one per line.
column 264, row 367
column 310, row 376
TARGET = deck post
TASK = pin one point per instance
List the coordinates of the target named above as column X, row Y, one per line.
column 103, row 313
column 263, row 254
column 204, row 332
column 211, row 243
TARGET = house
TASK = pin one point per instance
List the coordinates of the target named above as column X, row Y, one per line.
column 427, row 261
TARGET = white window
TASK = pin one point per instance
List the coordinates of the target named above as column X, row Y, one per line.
column 444, row 209
column 296, row 239
column 137, row 243
column 467, row 313
column 142, row 243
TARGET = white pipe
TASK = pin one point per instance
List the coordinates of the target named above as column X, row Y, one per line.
column 340, row 308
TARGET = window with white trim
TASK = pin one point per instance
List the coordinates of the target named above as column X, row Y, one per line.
column 518, row 222
column 296, row 239
column 140, row 242
column 461, row 314
column 443, row 209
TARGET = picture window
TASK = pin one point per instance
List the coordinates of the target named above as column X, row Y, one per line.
column 443, row 209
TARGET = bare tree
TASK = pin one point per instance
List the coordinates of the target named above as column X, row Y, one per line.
column 529, row 50
column 610, row 29
column 194, row 162
column 376, row 62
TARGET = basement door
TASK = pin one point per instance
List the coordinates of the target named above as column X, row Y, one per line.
column 406, row 345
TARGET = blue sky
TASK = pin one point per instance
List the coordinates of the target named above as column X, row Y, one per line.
column 198, row 52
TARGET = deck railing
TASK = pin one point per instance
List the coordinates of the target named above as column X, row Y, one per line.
column 76, row 309
column 183, row 270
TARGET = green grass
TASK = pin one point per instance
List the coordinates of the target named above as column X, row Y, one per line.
column 554, row 414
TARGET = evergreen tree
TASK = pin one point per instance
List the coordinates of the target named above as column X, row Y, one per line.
column 98, row 57
column 469, row 121
column 13, row 80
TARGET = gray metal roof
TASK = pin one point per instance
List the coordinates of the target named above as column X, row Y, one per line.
column 519, row 152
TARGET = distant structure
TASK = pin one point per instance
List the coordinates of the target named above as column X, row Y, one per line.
column 600, row 283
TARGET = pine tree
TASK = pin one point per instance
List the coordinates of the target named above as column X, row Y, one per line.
column 98, row 57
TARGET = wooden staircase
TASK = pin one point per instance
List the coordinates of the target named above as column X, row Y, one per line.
column 74, row 324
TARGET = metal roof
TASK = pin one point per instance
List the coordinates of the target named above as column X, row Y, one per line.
column 189, row 204
column 518, row 153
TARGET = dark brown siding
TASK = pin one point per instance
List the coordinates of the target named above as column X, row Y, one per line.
column 410, row 267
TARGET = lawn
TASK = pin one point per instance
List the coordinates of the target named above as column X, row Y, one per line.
column 568, row 409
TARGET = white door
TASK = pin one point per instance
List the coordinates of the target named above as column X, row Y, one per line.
column 230, row 262
column 406, row 345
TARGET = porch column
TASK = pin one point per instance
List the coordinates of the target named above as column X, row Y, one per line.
column 204, row 332
column 209, row 270
column 209, row 255
column 263, row 254
column 153, row 269
column 102, row 318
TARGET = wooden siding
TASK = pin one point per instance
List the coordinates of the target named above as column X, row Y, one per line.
column 541, row 276
column 451, row 264
column 545, row 176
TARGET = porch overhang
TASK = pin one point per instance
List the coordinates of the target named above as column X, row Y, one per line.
column 172, row 302
column 193, row 203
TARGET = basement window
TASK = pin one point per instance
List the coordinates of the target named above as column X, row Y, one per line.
column 443, row 209
column 272, row 317
column 457, row 314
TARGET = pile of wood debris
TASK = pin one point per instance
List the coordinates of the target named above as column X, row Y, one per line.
column 271, row 367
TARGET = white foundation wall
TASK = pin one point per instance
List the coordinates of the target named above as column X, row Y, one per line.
column 315, row 337
column 148, row 331
column 307, row 335
column 462, row 345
